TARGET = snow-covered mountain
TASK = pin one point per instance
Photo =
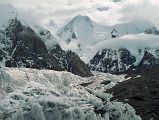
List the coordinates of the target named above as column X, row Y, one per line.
column 130, row 52
column 82, row 33
column 25, row 44
column 85, row 31
column 116, row 48
column 29, row 94
column 78, row 32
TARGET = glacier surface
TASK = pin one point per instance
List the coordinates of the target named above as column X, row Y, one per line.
column 30, row 94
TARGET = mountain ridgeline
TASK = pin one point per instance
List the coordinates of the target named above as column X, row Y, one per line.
column 21, row 46
column 91, row 47
column 115, row 49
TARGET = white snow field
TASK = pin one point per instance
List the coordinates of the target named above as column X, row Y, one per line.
column 30, row 94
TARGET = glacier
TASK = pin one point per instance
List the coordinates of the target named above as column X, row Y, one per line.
column 30, row 94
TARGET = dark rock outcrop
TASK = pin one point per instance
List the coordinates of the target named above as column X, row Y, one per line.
column 141, row 91
column 152, row 30
column 69, row 61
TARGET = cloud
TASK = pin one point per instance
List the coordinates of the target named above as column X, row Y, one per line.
column 102, row 11
column 5, row 1
column 143, row 9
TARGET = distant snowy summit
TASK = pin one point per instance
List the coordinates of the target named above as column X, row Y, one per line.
column 83, row 29
column 77, row 33
column 26, row 44
column 82, row 32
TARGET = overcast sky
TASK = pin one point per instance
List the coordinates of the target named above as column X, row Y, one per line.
column 59, row 12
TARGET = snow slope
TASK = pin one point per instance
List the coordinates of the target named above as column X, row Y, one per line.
column 47, row 95
column 120, row 54
column 132, row 42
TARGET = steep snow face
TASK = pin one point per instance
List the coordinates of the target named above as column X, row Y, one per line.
column 78, row 33
column 131, row 51
column 28, row 94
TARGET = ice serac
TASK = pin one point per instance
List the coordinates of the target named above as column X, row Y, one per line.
column 25, row 44
column 29, row 94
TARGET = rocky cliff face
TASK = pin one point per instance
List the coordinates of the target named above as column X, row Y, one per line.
column 67, row 60
column 122, row 60
column 21, row 46
column 152, row 30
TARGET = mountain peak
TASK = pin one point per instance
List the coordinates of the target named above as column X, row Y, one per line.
column 79, row 31
column 80, row 18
